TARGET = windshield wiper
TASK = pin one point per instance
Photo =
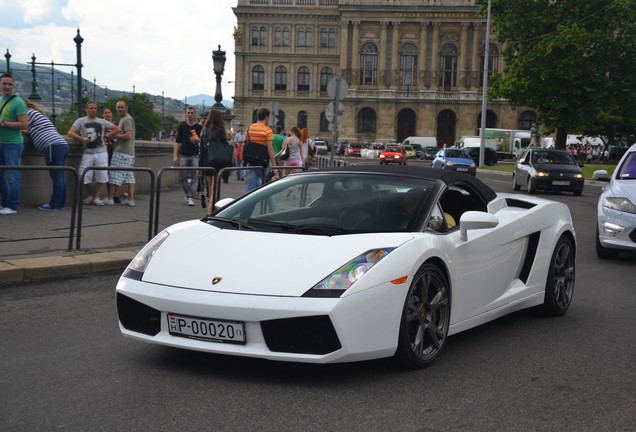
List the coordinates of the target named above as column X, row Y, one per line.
column 302, row 229
column 240, row 225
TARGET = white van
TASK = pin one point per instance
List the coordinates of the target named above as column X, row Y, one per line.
column 422, row 145
column 466, row 142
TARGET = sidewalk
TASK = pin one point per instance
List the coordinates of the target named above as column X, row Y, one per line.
column 34, row 243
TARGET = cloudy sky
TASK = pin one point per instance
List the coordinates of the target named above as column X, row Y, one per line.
column 155, row 45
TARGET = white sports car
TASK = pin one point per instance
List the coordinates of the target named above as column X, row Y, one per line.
column 348, row 264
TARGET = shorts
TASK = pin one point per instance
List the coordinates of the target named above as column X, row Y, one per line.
column 94, row 160
column 293, row 163
column 121, row 160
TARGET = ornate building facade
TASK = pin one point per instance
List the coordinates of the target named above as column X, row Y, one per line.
column 413, row 67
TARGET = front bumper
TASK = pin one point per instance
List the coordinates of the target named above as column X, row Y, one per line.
column 559, row 183
column 616, row 229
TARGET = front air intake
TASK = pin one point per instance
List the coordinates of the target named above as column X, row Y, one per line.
column 138, row 317
column 302, row 335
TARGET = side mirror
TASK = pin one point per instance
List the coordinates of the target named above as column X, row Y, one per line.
column 600, row 175
column 476, row 220
column 222, row 203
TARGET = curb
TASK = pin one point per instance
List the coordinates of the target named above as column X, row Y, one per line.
column 33, row 269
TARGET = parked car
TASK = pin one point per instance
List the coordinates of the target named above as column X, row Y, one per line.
column 353, row 149
column 429, row 152
column 409, row 151
column 455, row 159
column 548, row 170
column 418, row 150
column 321, row 147
column 393, row 154
column 490, row 155
column 616, row 209
column 394, row 279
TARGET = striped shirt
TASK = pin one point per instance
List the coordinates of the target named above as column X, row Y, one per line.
column 42, row 132
column 259, row 134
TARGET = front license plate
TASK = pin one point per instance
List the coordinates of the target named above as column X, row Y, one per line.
column 206, row 330
column 462, row 169
column 560, row 183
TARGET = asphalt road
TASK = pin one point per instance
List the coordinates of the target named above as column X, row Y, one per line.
column 64, row 366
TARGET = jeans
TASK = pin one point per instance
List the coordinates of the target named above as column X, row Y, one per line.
column 189, row 188
column 254, row 178
column 10, row 154
column 240, row 174
column 56, row 156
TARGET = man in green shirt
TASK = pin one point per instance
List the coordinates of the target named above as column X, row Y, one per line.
column 13, row 120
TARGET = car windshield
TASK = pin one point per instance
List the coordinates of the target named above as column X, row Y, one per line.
column 417, row 146
column 328, row 204
column 456, row 153
column 394, row 149
column 552, row 158
column 627, row 170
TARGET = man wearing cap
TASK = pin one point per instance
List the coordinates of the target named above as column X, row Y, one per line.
column 239, row 142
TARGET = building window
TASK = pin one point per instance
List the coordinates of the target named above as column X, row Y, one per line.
column 326, row 75
column 254, row 116
column 448, row 67
column 303, row 79
column 259, row 36
column 327, row 38
column 281, row 119
column 526, row 119
column 302, row 119
column 332, row 38
column 258, row 78
column 324, row 124
column 493, row 62
column 280, row 78
column 304, row 37
column 281, row 36
column 368, row 64
column 408, row 65
column 366, row 120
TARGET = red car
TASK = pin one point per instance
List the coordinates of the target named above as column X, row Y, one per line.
column 353, row 149
column 393, row 154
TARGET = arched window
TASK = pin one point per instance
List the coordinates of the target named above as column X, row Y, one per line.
column 285, row 36
column 255, row 35
column 280, row 78
column 448, row 67
column 259, row 36
column 368, row 64
column 303, row 79
column 526, row 119
column 304, row 38
column 493, row 61
column 326, row 75
column 258, row 78
column 323, row 38
column 324, row 124
column 302, row 119
column 332, row 38
column 327, row 38
column 366, row 120
column 278, row 36
column 262, row 39
column 408, row 65
column 281, row 119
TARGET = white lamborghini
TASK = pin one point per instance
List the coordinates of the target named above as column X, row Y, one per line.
column 348, row 264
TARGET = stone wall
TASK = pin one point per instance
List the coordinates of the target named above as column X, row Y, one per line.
column 36, row 185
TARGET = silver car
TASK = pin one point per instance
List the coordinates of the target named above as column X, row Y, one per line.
column 616, row 226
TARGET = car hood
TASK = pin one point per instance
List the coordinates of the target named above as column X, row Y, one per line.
column 558, row 168
column 251, row 262
column 622, row 188
column 459, row 161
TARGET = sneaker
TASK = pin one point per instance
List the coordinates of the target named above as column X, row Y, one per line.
column 190, row 202
column 7, row 211
column 117, row 200
column 98, row 202
column 88, row 200
column 46, row 207
column 107, row 201
column 129, row 203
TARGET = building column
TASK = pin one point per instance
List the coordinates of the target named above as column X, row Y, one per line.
column 384, row 52
column 355, row 55
column 421, row 60
column 435, row 57
column 475, row 66
column 463, row 56
column 395, row 54
column 344, row 49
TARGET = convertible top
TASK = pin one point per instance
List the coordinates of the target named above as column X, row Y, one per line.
column 447, row 177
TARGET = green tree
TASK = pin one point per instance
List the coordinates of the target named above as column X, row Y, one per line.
column 571, row 60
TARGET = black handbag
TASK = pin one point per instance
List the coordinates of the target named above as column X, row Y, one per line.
column 254, row 153
column 285, row 152
column 215, row 153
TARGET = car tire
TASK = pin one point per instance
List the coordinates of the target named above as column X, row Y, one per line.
column 515, row 185
column 559, row 286
column 425, row 318
column 532, row 186
column 603, row 252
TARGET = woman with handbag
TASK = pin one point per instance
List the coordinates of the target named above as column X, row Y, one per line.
column 308, row 149
column 291, row 154
column 215, row 151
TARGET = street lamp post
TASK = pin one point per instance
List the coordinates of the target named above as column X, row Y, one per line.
column 53, row 113
column 94, row 89
column 34, row 96
column 482, row 144
column 218, row 58
column 162, row 116
column 78, row 44
column 7, row 56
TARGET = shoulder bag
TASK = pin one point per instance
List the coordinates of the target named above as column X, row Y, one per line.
column 214, row 152
column 254, row 153
column 285, row 152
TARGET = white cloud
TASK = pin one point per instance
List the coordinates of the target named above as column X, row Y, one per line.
column 153, row 45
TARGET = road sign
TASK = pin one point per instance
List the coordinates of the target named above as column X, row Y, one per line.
column 339, row 114
column 340, row 85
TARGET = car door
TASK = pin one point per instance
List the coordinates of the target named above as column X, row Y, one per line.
column 485, row 267
column 522, row 169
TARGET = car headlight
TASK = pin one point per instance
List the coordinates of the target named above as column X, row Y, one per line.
column 138, row 265
column 473, row 165
column 578, row 176
column 619, row 203
column 542, row 174
column 450, row 163
column 340, row 280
